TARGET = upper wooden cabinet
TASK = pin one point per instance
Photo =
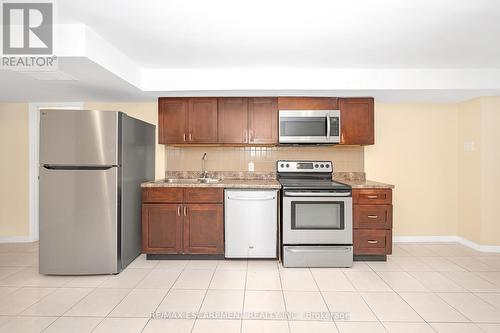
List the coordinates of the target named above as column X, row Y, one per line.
column 172, row 120
column 187, row 120
column 202, row 120
column 307, row 103
column 233, row 120
column 356, row 121
column 263, row 120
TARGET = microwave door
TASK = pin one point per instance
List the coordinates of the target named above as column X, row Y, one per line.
column 297, row 128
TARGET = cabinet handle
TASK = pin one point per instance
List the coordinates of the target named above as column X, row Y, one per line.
column 190, row 137
column 185, row 210
column 179, row 211
column 372, row 196
column 184, row 136
column 372, row 216
column 372, row 241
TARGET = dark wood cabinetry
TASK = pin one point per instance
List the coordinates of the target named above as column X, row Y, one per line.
column 182, row 221
column 202, row 120
column 372, row 221
column 263, row 120
column 233, row 120
column 254, row 120
column 307, row 103
column 172, row 120
column 356, row 121
column 187, row 120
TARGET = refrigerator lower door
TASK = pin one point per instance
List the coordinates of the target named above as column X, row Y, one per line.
column 79, row 221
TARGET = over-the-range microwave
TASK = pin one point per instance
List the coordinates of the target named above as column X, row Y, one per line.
column 309, row 126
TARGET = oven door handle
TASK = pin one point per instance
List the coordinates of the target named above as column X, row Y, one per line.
column 317, row 194
column 318, row 249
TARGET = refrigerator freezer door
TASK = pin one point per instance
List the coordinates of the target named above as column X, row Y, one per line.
column 78, row 137
column 78, row 221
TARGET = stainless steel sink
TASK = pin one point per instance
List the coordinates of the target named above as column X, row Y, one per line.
column 192, row 180
column 208, row 180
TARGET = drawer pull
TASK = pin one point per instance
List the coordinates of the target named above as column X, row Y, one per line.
column 373, row 242
column 185, row 210
column 179, row 211
column 372, row 216
column 184, row 136
column 372, row 196
column 190, row 137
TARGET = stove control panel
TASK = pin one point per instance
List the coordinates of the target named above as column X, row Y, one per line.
column 304, row 166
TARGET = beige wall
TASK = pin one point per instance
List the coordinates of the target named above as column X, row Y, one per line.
column 264, row 158
column 479, row 171
column 416, row 150
column 144, row 111
column 469, row 171
column 14, row 170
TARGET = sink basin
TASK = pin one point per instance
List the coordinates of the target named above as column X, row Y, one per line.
column 181, row 180
column 192, row 180
column 208, row 180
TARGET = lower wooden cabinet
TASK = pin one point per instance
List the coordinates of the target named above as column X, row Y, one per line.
column 182, row 221
column 162, row 228
column 372, row 221
column 203, row 229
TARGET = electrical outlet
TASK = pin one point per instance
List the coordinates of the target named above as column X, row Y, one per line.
column 469, row 146
column 251, row 167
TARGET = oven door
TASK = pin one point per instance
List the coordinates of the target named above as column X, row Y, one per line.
column 314, row 126
column 322, row 218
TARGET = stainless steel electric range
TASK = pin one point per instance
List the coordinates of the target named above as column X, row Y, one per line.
column 316, row 217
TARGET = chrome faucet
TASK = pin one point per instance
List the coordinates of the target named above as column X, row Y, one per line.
column 203, row 166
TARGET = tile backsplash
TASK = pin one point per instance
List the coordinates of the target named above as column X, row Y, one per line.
column 345, row 159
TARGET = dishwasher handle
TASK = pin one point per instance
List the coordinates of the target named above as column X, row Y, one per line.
column 251, row 199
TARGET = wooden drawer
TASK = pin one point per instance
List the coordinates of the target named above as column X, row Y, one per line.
column 203, row 195
column 372, row 196
column 372, row 216
column 372, row 241
column 162, row 194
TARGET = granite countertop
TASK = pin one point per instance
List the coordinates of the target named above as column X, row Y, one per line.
column 224, row 183
column 365, row 184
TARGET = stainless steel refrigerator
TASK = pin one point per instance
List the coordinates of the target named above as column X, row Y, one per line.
column 91, row 166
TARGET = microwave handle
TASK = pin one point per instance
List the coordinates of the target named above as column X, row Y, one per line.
column 328, row 129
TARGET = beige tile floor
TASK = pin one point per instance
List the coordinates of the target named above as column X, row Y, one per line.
column 421, row 288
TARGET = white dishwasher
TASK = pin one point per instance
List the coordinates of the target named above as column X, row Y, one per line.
column 251, row 223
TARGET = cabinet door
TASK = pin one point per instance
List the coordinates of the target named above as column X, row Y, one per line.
column 162, row 228
column 203, row 231
column 202, row 122
column 233, row 115
column 172, row 120
column 356, row 121
column 263, row 120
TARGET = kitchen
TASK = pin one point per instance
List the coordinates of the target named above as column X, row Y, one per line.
column 282, row 175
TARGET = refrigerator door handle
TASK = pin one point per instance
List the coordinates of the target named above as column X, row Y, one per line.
column 76, row 167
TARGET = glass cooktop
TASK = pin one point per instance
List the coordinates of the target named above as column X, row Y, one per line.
column 312, row 184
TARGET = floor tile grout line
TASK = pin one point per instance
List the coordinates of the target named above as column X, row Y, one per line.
column 244, row 295
column 323, row 297
column 166, row 294
column 284, row 299
column 204, row 297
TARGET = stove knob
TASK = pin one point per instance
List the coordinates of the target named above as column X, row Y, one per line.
column 322, row 165
column 282, row 165
column 287, row 165
column 316, row 165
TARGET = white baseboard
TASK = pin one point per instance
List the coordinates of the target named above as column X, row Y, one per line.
column 17, row 239
column 447, row 239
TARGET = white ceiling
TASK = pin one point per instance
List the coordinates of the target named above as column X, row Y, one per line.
column 394, row 50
